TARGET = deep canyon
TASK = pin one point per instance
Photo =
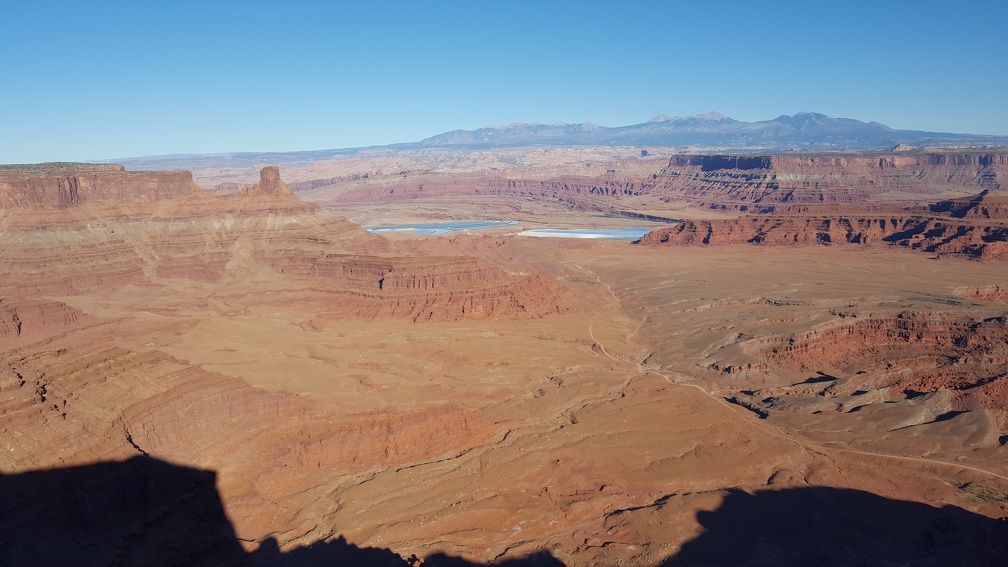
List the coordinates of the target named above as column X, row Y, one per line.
column 805, row 361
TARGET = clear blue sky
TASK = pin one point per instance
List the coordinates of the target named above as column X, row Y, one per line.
column 94, row 79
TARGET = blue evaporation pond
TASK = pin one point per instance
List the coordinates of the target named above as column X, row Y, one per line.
column 609, row 234
column 441, row 227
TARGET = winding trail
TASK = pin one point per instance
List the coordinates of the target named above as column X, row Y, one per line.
column 640, row 369
column 615, row 301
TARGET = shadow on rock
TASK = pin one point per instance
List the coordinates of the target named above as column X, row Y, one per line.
column 540, row 559
column 148, row 512
column 322, row 553
column 339, row 552
column 138, row 512
column 830, row 526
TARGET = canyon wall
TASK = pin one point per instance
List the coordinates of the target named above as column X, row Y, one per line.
column 947, row 364
column 427, row 288
column 96, row 301
column 227, row 237
column 66, row 187
column 933, row 235
column 578, row 192
column 771, row 181
column 802, row 200
column 744, row 183
column 280, row 347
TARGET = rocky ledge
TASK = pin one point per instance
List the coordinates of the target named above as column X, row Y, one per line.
column 974, row 228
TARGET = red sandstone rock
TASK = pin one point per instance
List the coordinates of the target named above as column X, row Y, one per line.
column 993, row 293
column 906, row 355
column 35, row 319
column 585, row 449
column 264, row 225
column 975, row 239
column 751, row 184
column 784, row 180
column 48, row 189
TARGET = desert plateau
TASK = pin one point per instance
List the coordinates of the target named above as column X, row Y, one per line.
column 804, row 361
column 503, row 284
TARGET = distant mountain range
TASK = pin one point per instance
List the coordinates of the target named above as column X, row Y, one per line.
column 805, row 131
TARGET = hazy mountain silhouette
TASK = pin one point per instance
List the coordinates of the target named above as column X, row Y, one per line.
column 805, row 131
column 148, row 512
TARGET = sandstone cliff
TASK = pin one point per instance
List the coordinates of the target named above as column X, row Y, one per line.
column 96, row 301
column 982, row 206
column 426, row 288
column 751, row 182
column 946, row 363
column 30, row 321
column 754, row 184
column 993, row 293
column 970, row 229
column 66, row 187
column 155, row 231
column 270, row 190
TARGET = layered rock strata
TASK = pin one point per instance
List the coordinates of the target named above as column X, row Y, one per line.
column 764, row 184
column 994, row 293
column 265, row 225
column 971, row 231
column 96, row 294
column 429, row 288
column 64, row 187
column 950, row 364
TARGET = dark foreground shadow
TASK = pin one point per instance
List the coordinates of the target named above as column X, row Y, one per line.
column 148, row 512
column 831, row 526
column 137, row 512
column 339, row 552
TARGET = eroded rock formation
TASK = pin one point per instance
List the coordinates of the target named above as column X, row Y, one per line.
column 982, row 206
column 751, row 182
column 933, row 366
column 428, row 288
column 348, row 388
column 100, row 279
column 993, row 293
column 27, row 321
column 226, row 236
column 969, row 230
column 74, row 185
column 740, row 183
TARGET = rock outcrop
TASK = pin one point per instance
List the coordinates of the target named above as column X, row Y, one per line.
column 743, row 183
column 953, row 363
column 981, row 206
column 269, row 190
column 31, row 320
column 992, row 293
column 751, row 183
column 83, row 277
column 924, row 234
column 226, row 236
column 428, row 288
column 64, row 187
column 971, row 228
